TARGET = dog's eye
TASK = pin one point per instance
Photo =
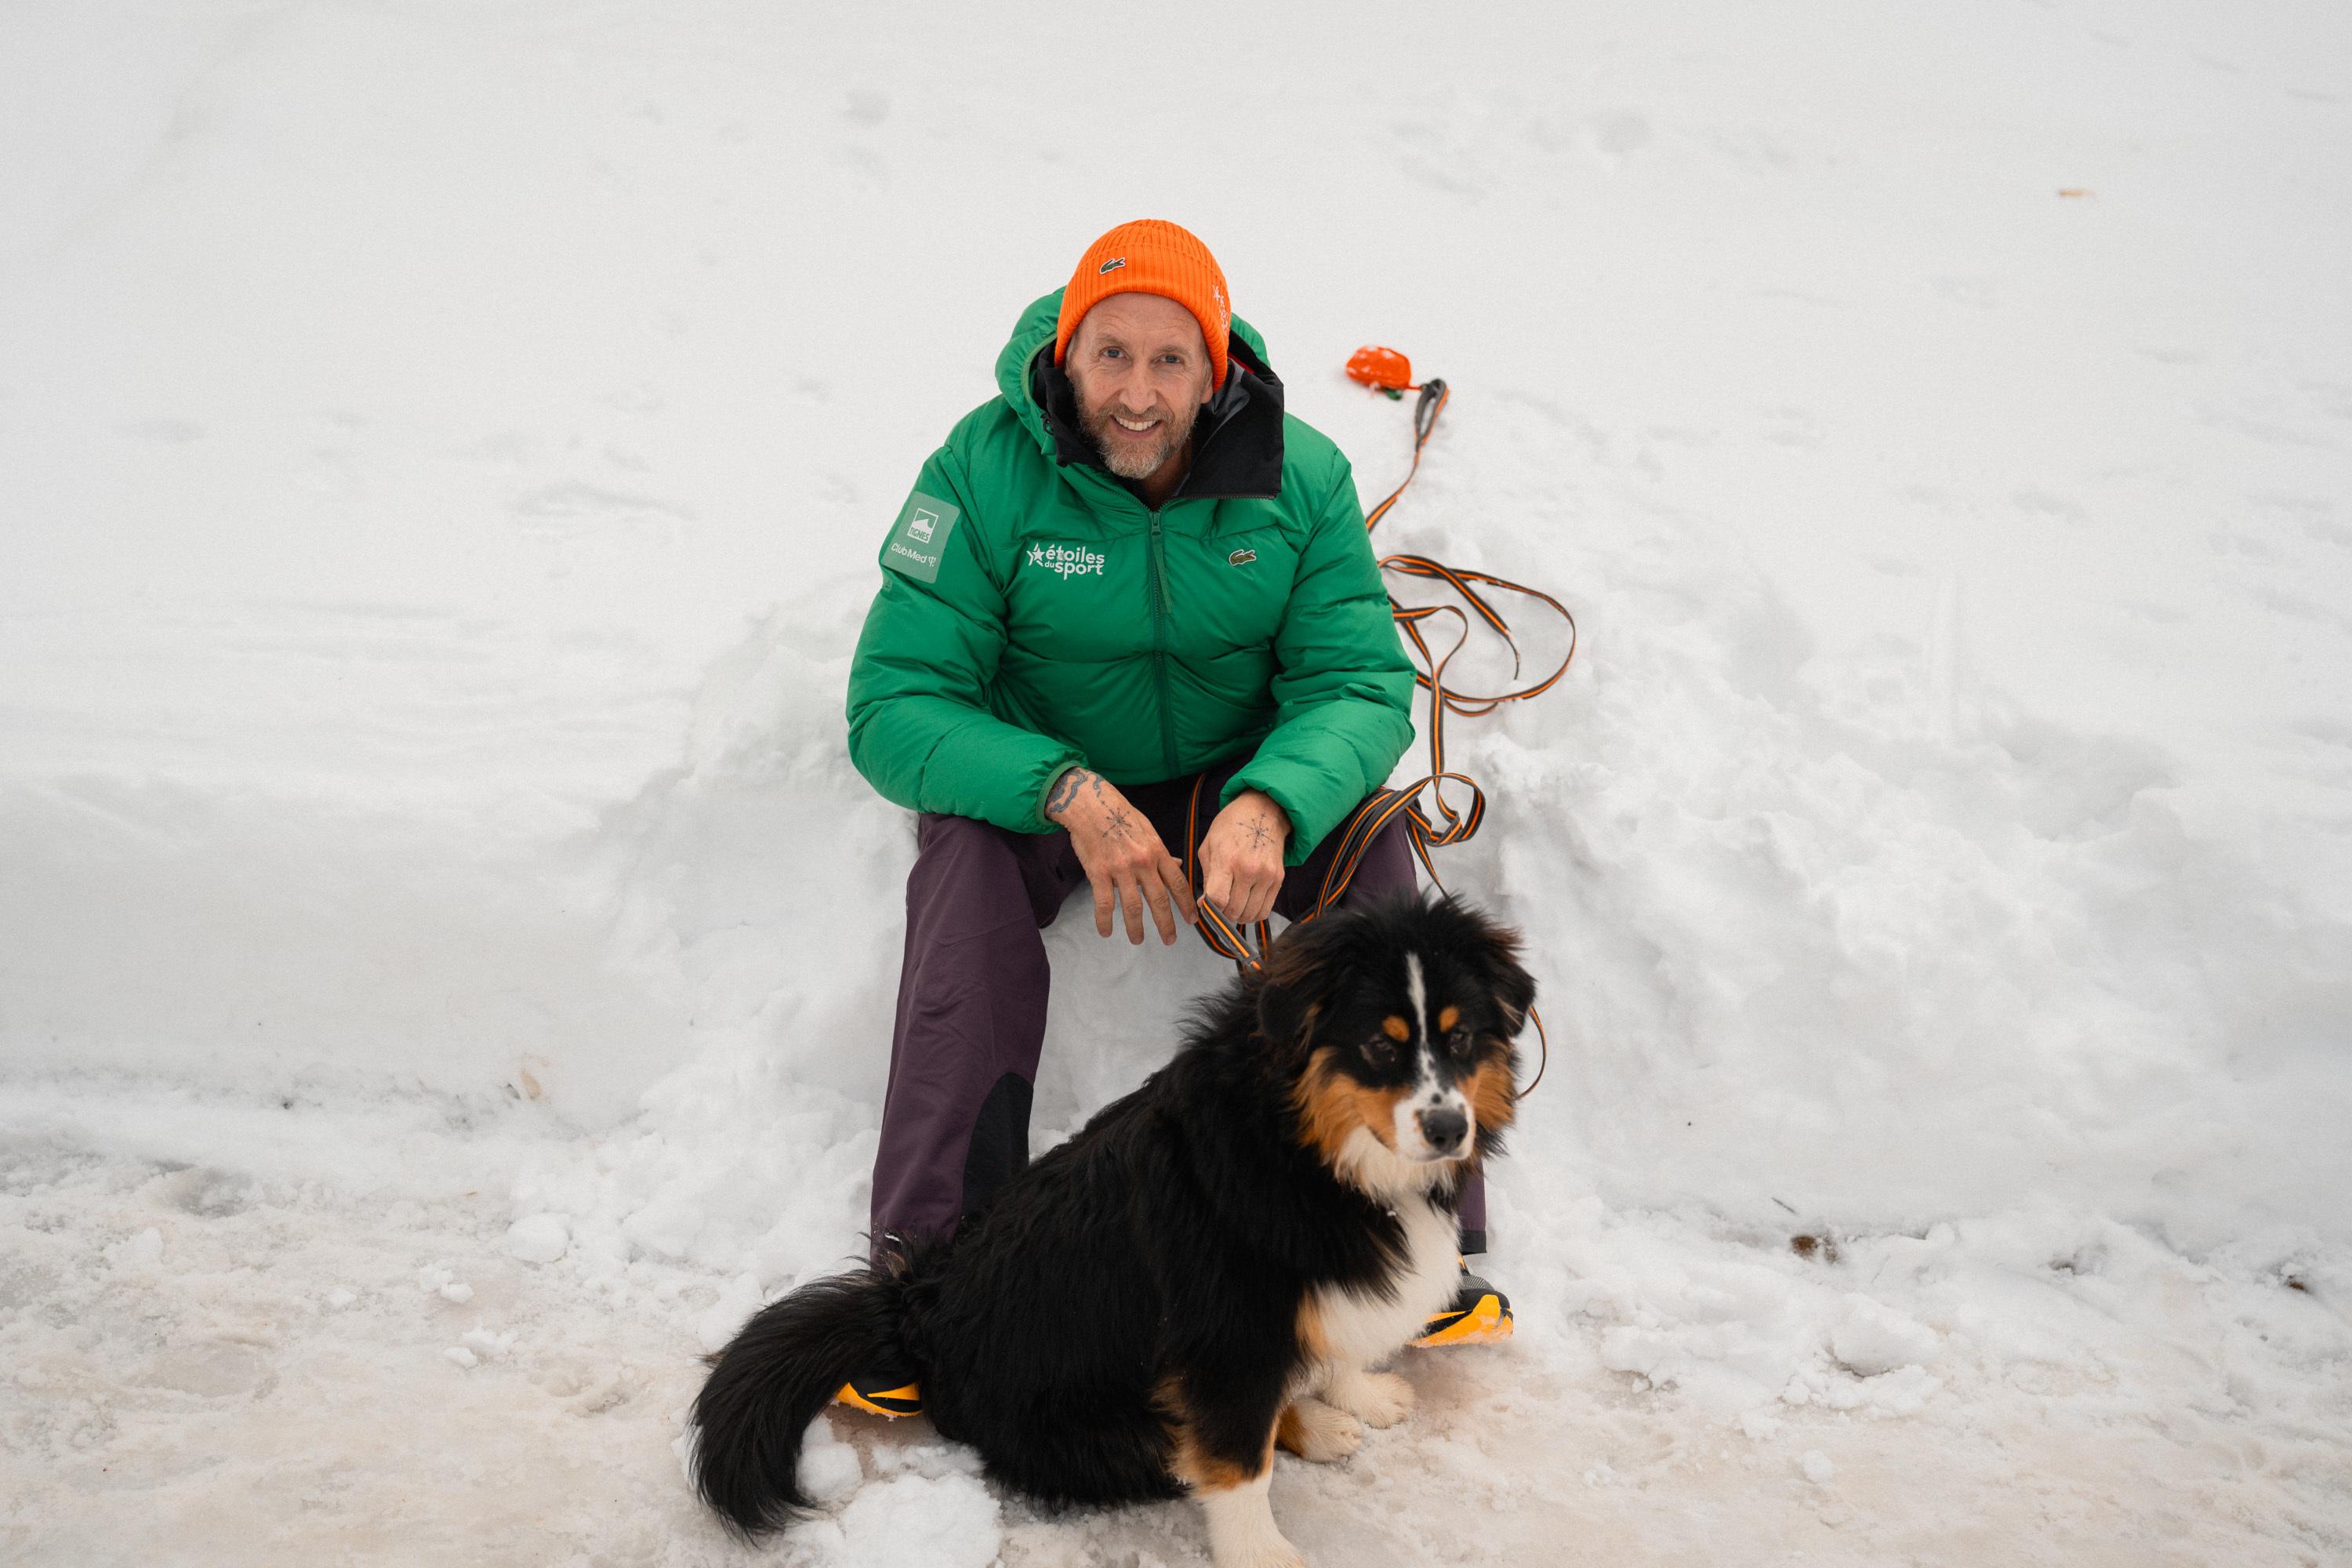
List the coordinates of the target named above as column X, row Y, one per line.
column 1380, row 1051
column 1462, row 1043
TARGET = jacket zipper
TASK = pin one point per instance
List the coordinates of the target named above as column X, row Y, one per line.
column 1159, row 647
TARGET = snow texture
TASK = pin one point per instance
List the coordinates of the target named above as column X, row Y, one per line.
column 447, row 958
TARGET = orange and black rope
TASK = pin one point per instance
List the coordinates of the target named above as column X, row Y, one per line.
column 1391, row 372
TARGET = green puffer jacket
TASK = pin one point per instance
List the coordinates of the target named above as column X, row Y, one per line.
column 1034, row 614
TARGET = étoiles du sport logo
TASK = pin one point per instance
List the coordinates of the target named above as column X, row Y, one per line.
column 1068, row 560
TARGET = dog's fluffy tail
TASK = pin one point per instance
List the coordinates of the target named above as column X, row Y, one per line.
column 775, row 1377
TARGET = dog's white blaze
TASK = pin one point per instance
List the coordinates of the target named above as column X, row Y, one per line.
column 1241, row 1534
column 1428, row 1094
column 1364, row 1331
column 1419, row 992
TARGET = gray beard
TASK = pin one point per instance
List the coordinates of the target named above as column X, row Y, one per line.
column 1134, row 465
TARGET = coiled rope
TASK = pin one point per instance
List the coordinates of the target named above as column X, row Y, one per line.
column 1386, row 370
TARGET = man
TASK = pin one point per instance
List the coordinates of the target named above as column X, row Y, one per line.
column 1129, row 595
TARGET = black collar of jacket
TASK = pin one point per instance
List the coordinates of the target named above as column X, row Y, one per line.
column 1236, row 442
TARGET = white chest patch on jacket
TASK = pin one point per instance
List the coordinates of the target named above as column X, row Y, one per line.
column 1364, row 1330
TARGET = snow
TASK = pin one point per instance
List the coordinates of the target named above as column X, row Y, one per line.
column 445, row 957
column 538, row 1238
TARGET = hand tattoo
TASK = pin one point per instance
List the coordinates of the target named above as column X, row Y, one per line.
column 1066, row 790
column 1115, row 825
column 1260, row 835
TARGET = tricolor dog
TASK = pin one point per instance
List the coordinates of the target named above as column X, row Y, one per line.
column 1215, row 1265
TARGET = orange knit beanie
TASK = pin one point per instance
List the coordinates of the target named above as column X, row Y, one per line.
column 1150, row 256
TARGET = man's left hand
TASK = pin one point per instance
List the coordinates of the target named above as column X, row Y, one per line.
column 1241, row 858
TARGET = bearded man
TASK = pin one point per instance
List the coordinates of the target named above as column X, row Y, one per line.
column 1129, row 588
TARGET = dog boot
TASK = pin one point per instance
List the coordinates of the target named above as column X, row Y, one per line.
column 885, row 1394
column 1480, row 1315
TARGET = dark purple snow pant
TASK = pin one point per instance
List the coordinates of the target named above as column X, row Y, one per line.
column 971, row 998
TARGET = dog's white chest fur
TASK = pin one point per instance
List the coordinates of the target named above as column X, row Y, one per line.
column 1364, row 1330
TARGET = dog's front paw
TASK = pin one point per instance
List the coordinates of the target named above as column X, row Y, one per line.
column 1378, row 1398
column 1319, row 1433
column 1242, row 1532
column 1275, row 1554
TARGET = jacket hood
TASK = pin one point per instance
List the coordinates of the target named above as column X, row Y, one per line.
column 1239, row 436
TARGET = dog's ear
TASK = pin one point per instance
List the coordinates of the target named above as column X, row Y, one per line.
column 1299, row 975
column 1508, row 981
column 1514, row 988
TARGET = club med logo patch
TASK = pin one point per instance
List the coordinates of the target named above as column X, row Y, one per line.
column 917, row 545
column 1241, row 558
column 1068, row 560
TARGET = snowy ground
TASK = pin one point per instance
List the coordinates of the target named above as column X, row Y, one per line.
column 446, row 956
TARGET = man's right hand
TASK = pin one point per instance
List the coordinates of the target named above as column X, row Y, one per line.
column 1122, row 856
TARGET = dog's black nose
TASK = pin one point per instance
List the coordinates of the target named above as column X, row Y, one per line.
column 1444, row 1129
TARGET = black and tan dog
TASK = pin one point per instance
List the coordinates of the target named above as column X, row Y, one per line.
column 1214, row 1265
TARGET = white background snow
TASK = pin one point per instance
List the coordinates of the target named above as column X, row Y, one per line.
column 445, row 957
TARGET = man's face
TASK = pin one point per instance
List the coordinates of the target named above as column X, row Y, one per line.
column 1141, row 370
